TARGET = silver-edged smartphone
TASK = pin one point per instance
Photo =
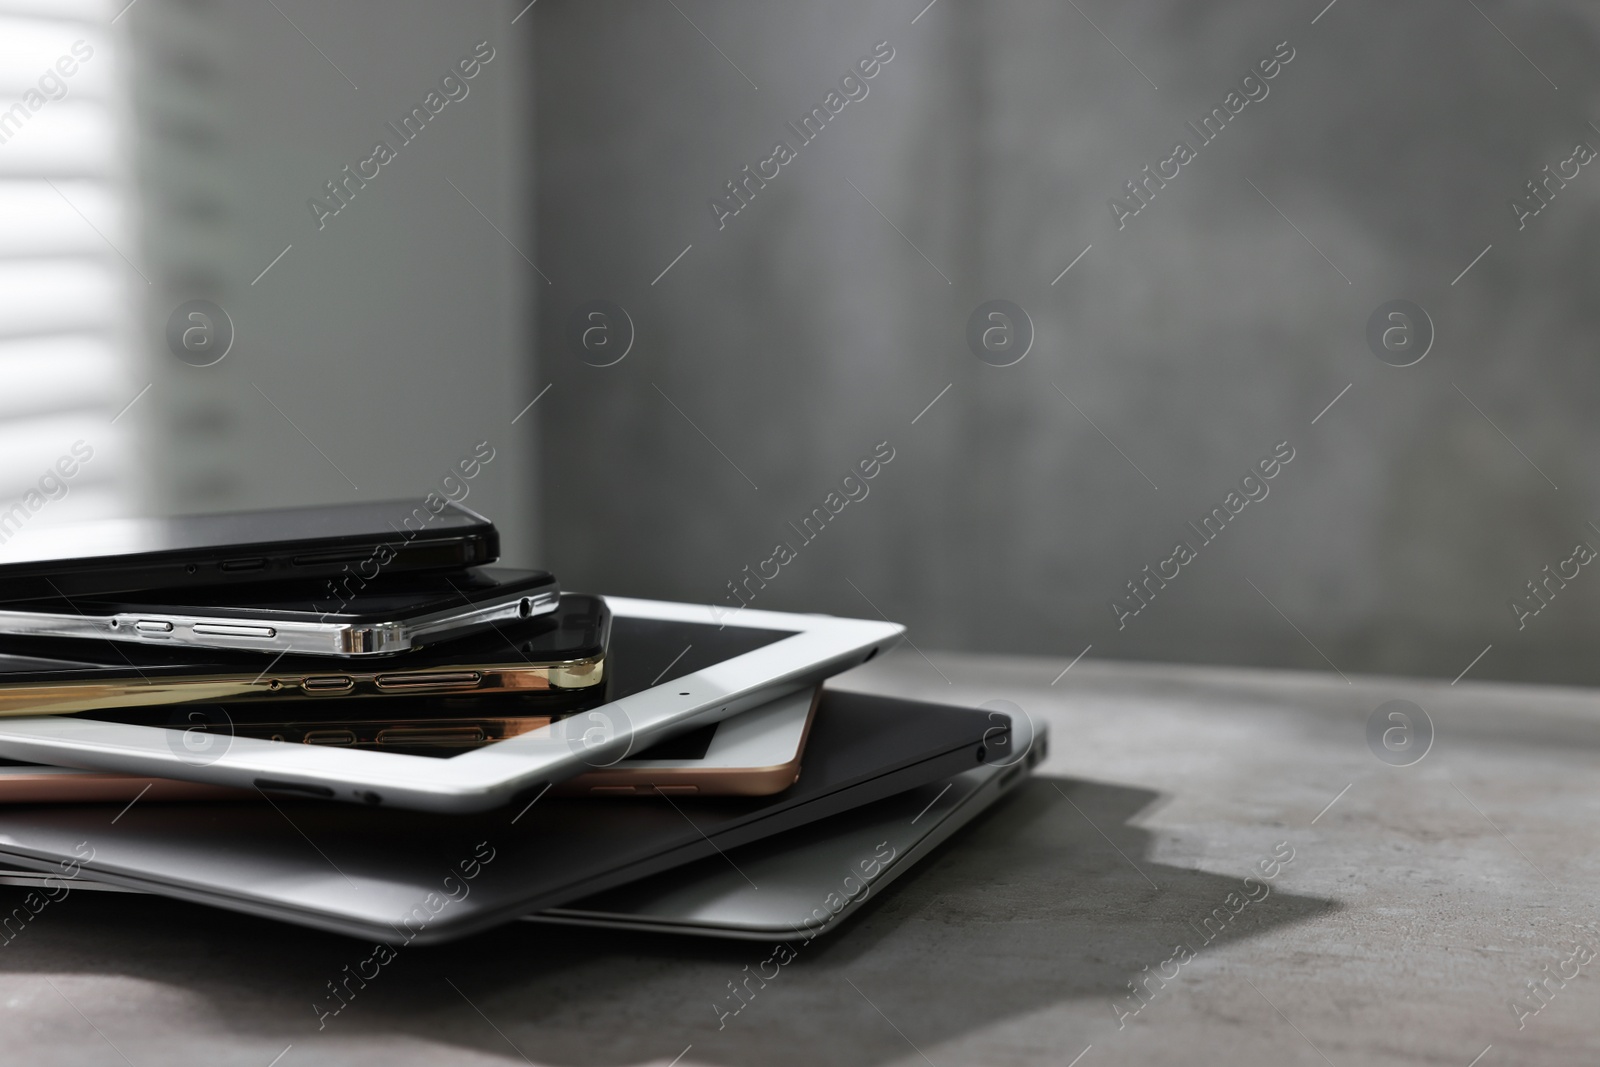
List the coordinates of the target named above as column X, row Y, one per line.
column 394, row 614
column 547, row 655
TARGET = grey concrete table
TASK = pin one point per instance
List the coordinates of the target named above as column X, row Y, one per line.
column 1419, row 904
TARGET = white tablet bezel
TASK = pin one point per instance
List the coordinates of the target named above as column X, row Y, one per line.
column 818, row 647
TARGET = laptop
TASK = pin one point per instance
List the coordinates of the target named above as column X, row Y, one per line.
column 811, row 879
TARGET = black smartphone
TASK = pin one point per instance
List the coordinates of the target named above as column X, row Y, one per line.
column 546, row 654
column 347, row 544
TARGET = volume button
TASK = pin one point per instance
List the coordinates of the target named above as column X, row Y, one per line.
column 429, row 680
column 217, row 629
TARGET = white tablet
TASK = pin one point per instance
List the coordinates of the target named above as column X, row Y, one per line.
column 671, row 667
column 754, row 754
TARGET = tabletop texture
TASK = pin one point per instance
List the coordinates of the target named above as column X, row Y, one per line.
column 1213, row 866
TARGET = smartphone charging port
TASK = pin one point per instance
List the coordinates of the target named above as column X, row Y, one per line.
column 330, row 737
column 328, row 683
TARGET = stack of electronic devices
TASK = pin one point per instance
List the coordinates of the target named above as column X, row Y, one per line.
column 344, row 717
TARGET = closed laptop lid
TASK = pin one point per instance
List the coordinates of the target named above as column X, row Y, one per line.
column 807, row 881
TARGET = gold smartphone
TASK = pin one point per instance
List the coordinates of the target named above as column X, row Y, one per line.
column 560, row 651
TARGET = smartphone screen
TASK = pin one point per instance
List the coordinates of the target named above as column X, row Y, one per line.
column 331, row 541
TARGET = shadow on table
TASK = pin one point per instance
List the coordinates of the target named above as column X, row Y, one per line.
column 1049, row 897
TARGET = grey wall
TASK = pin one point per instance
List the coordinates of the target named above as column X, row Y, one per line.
column 1196, row 338
column 384, row 345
